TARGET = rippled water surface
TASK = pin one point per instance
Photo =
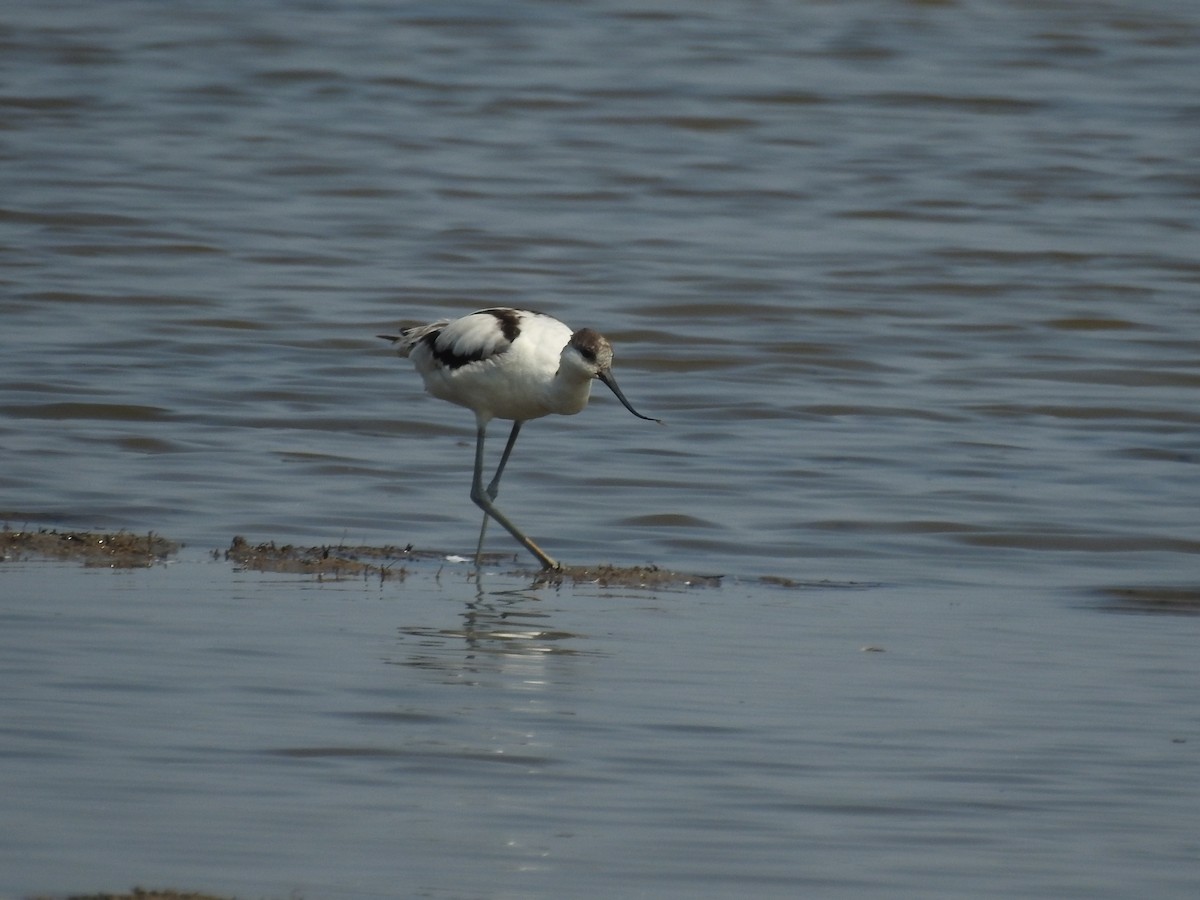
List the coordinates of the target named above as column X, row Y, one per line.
column 914, row 286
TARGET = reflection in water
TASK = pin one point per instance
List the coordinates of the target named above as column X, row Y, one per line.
column 501, row 632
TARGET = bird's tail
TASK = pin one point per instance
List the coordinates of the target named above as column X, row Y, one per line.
column 408, row 337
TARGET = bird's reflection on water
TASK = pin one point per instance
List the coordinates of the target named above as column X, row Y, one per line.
column 494, row 630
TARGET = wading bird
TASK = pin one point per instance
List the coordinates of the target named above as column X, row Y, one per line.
column 508, row 364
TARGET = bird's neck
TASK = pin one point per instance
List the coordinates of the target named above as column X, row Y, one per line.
column 568, row 392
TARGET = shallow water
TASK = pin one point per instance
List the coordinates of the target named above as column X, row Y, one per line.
column 912, row 284
column 193, row 725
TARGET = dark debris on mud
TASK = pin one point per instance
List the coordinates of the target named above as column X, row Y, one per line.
column 393, row 562
column 326, row 560
column 117, row 550
column 124, row 549
column 628, row 576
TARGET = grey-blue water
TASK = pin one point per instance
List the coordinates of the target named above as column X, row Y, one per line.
column 914, row 285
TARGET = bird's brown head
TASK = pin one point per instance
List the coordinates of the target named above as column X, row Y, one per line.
column 597, row 354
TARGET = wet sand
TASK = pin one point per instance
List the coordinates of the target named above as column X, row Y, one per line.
column 123, row 549
column 126, row 550
column 390, row 562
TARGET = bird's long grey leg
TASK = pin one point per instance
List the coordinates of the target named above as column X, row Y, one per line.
column 480, row 496
column 494, row 487
column 508, row 448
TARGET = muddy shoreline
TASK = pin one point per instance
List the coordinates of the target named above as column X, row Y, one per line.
column 127, row 550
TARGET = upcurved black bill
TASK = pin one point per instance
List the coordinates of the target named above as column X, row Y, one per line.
column 607, row 377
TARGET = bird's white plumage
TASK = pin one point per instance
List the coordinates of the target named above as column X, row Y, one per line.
column 472, row 363
column 508, row 364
